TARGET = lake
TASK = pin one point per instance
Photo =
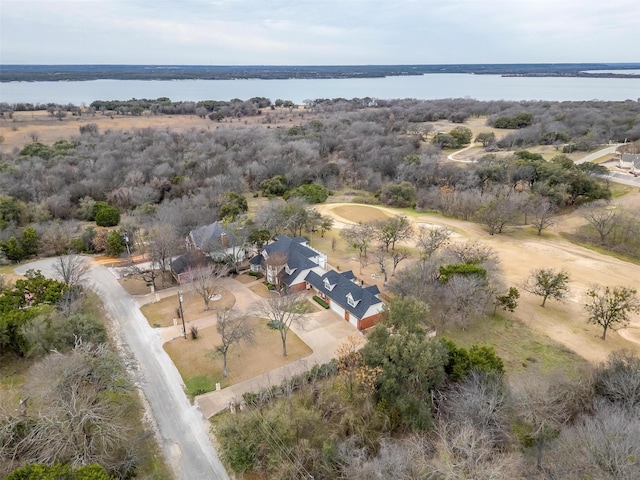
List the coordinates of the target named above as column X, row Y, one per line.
column 427, row 87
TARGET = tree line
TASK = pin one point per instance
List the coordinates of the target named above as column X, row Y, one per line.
column 385, row 148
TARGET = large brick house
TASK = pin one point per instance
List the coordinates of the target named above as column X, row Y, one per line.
column 293, row 266
column 287, row 261
column 361, row 306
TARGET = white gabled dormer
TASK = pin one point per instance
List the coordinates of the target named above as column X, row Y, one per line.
column 351, row 301
column 328, row 284
column 289, row 270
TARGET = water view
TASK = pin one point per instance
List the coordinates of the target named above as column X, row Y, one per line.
column 433, row 86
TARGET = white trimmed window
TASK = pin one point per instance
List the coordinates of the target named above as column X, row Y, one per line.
column 351, row 301
column 328, row 285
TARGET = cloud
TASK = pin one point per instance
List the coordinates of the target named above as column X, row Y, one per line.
column 318, row 32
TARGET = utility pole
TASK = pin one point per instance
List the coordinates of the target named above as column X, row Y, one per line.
column 184, row 328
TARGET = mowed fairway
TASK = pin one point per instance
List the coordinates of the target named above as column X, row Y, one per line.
column 521, row 251
column 360, row 213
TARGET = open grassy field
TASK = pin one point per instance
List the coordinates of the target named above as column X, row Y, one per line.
column 27, row 127
column 201, row 366
column 520, row 250
column 521, row 349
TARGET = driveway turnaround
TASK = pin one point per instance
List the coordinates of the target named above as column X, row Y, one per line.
column 183, row 431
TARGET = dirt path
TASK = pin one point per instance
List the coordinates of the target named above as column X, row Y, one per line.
column 563, row 322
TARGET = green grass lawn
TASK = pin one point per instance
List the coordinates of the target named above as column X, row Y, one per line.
column 520, row 348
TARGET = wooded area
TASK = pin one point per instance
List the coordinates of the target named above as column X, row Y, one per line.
column 386, row 148
column 405, row 409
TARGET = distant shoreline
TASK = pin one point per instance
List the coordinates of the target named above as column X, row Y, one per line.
column 50, row 73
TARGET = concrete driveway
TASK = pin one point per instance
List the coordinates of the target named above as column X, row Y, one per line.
column 323, row 331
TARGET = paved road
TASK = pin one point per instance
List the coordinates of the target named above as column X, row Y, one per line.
column 624, row 178
column 181, row 426
column 599, row 153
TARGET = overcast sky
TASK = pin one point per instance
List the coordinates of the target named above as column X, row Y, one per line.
column 320, row 32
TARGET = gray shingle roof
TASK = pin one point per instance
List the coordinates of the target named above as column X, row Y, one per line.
column 285, row 244
column 204, row 236
column 343, row 286
column 298, row 256
column 631, row 158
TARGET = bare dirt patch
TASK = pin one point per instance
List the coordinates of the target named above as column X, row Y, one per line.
column 162, row 313
column 197, row 358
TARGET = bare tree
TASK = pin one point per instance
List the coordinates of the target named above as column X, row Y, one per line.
column 205, row 280
column 274, row 266
column 72, row 269
column 83, row 422
column 544, row 214
column 603, row 444
column 397, row 255
column 234, row 327
column 163, row 242
column 430, row 239
column 547, row 283
column 497, row 213
column 382, row 256
column 359, row 238
column 464, row 451
column 465, row 297
column 610, row 307
column 395, row 229
column 483, row 400
column 282, row 312
column 618, row 379
column 543, row 409
column 603, row 218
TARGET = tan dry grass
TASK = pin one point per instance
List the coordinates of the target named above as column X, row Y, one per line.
column 246, row 278
column 262, row 290
column 18, row 131
column 137, row 286
column 162, row 313
column 197, row 358
column 520, row 253
column 360, row 213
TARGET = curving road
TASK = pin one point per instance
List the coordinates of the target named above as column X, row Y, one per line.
column 181, row 427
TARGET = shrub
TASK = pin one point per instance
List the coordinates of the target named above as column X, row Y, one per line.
column 274, row 186
column 400, row 195
column 312, row 193
column 107, row 217
column 320, row 302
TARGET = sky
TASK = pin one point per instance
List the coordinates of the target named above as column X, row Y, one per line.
column 320, row 32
